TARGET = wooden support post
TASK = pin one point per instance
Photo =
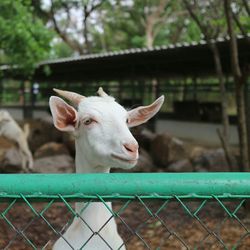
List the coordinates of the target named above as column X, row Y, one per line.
column 28, row 110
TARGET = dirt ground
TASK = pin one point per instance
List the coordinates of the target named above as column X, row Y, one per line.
column 172, row 228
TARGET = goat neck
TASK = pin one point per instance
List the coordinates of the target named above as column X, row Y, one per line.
column 84, row 164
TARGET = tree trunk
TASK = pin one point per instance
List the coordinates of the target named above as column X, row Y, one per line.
column 239, row 81
column 149, row 34
column 85, row 34
column 73, row 44
column 247, row 109
column 240, row 99
column 153, row 19
column 224, row 135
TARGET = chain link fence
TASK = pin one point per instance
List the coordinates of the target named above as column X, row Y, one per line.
column 152, row 211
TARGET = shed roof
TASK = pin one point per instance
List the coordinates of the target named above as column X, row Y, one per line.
column 179, row 60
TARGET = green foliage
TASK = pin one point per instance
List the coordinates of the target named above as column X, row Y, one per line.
column 115, row 25
column 111, row 25
column 24, row 40
column 124, row 24
column 212, row 18
column 61, row 50
column 115, row 29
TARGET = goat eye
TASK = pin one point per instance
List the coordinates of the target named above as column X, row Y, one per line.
column 88, row 121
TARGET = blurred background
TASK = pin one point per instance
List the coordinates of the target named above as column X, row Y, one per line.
column 196, row 53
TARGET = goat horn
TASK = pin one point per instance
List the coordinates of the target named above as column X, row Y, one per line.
column 101, row 92
column 71, row 96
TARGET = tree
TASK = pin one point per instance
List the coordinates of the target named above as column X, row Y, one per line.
column 217, row 20
column 153, row 15
column 70, row 20
column 24, row 40
column 94, row 26
column 240, row 11
column 238, row 19
column 240, row 78
column 151, row 23
column 211, row 30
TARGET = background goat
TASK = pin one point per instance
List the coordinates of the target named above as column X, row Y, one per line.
column 11, row 130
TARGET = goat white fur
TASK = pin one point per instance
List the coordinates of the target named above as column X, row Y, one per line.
column 103, row 140
column 11, row 130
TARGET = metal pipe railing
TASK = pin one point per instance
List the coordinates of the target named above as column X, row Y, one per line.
column 114, row 186
column 153, row 211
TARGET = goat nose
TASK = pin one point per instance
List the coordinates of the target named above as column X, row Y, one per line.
column 131, row 147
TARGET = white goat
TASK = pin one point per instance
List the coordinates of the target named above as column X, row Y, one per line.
column 103, row 140
column 11, row 130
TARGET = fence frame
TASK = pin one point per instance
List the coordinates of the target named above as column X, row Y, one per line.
column 127, row 187
column 124, row 186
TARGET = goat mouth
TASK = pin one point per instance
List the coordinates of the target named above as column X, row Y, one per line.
column 124, row 159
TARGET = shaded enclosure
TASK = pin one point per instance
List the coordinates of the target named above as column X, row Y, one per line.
column 185, row 73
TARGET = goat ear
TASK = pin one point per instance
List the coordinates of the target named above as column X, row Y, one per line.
column 142, row 114
column 65, row 117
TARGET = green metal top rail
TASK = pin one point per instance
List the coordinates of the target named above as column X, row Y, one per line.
column 123, row 186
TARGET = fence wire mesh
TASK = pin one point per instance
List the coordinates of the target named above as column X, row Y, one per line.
column 210, row 218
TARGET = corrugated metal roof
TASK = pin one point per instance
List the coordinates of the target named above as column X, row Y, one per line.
column 174, row 60
column 134, row 51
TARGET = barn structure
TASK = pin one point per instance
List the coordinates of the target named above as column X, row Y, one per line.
column 184, row 73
